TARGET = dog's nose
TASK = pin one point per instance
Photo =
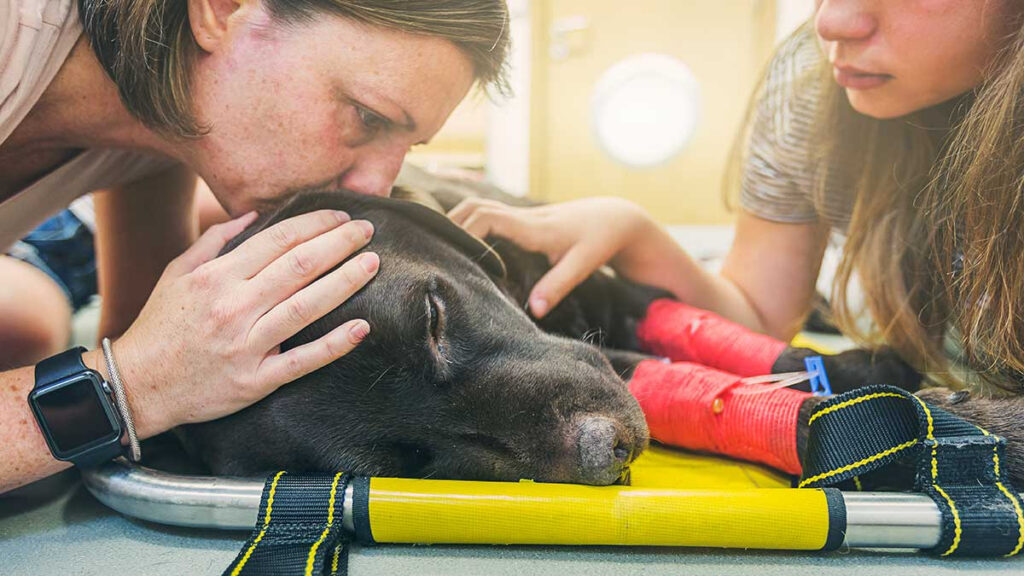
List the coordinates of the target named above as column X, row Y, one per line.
column 603, row 450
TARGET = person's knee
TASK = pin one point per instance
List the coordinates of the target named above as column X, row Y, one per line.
column 36, row 313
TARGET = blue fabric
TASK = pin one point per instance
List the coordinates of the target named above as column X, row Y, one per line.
column 63, row 248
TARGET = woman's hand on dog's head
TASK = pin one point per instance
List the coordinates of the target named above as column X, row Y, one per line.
column 207, row 343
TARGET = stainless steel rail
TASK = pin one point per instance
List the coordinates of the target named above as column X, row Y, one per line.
column 194, row 501
column 873, row 519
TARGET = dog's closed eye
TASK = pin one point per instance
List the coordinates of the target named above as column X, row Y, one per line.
column 436, row 322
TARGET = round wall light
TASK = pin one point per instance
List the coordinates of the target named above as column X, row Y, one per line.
column 645, row 109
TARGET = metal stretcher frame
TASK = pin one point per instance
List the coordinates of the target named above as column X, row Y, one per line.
column 453, row 512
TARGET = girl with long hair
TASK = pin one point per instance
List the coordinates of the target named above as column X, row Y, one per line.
column 898, row 124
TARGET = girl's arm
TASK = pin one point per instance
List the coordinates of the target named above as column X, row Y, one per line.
column 766, row 284
column 140, row 228
column 773, row 267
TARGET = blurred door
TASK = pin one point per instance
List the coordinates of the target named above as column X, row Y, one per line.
column 725, row 43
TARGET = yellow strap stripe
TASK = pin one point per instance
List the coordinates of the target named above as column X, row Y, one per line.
column 334, row 561
column 1020, row 519
column 928, row 413
column 1013, row 498
column 957, row 531
column 995, row 450
column 848, row 403
column 266, row 523
column 867, row 460
column 330, row 522
column 931, row 436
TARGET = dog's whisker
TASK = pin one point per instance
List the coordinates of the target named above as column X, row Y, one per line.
column 379, row 378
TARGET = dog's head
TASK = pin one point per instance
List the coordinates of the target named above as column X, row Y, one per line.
column 454, row 381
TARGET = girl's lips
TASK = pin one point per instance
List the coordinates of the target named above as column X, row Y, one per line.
column 858, row 80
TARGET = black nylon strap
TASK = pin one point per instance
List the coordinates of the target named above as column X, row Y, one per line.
column 298, row 529
column 836, row 519
column 885, row 437
column 361, row 511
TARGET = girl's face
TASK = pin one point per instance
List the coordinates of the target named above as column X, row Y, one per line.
column 328, row 103
column 894, row 57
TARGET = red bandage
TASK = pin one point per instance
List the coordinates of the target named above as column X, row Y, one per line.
column 700, row 408
column 687, row 334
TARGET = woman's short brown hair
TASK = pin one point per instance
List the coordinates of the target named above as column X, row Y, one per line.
column 147, row 48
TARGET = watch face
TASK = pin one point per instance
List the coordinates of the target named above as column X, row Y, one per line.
column 75, row 416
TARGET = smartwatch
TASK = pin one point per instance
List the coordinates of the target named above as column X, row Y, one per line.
column 75, row 411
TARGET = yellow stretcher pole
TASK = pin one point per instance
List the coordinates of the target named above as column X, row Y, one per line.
column 452, row 512
column 439, row 512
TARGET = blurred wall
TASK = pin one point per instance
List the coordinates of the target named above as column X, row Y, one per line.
column 541, row 142
column 790, row 14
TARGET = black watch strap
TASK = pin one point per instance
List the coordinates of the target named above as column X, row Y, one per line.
column 60, row 366
column 69, row 364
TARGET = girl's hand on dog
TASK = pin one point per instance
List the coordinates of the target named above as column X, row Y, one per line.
column 578, row 237
column 207, row 343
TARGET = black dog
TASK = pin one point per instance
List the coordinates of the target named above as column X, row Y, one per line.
column 455, row 380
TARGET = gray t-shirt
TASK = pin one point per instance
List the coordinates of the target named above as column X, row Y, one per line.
column 779, row 172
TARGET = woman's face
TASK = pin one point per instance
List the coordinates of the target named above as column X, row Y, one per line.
column 330, row 103
column 894, row 57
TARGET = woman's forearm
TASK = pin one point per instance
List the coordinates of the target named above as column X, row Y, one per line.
column 24, row 454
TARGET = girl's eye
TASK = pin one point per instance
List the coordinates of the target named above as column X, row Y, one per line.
column 371, row 122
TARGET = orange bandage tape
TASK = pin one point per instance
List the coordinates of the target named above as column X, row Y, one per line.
column 683, row 333
column 700, row 408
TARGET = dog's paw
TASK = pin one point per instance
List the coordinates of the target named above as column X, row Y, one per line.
column 944, row 397
column 863, row 367
column 854, row 368
column 1001, row 416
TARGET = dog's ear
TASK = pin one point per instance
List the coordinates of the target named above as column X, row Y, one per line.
column 301, row 203
column 293, row 206
column 478, row 250
column 419, row 197
column 433, row 221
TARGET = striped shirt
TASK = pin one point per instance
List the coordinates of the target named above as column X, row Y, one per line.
column 779, row 173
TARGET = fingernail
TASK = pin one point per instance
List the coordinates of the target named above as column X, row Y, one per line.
column 370, row 262
column 539, row 306
column 959, row 396
column 342, row 216
column 359, row 330
column 247, row 218
column 366, row 227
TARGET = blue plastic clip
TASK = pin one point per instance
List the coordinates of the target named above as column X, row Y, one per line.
column 819, row 379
